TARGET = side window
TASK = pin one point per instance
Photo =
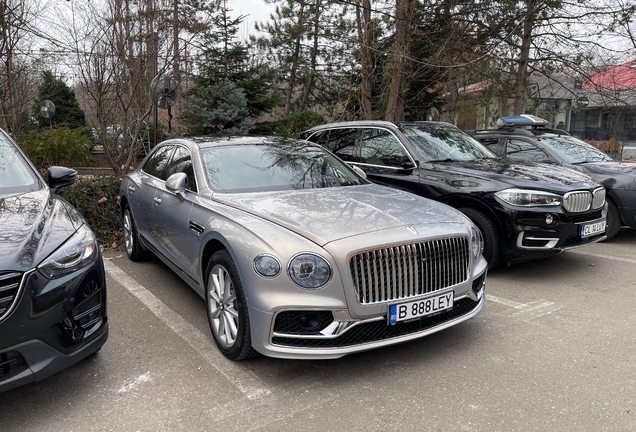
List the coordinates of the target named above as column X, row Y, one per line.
column 491, row 143
column 381, row 147
column 156, row 165
column 318, row 137
column 523, row 151
column 182, row 162
column 342, row 142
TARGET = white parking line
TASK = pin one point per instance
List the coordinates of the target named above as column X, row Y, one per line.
column 609, row 257
column 248, row 384
column 526, row 311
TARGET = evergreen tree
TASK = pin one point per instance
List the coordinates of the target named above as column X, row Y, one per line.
column 218, row 109
column 225, row 67
column 67, row 110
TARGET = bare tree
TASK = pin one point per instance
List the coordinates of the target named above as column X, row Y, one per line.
column 18, row 27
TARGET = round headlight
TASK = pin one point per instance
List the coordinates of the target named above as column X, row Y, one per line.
column 309, row 271
column 476, row 242
column 266, row 266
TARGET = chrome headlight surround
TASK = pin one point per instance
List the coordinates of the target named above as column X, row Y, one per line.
column 79, row 251
column 309, row 270
column 476, row 242
column 267, row 266
column 529, row 198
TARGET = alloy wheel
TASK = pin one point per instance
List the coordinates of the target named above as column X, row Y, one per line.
column 222, row 306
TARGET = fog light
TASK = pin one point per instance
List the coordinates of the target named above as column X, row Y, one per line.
column 310, row 321
column 551, row 219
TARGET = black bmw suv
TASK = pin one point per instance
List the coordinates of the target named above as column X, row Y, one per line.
column 523, row 210
column 52, row 282
column 516, row 142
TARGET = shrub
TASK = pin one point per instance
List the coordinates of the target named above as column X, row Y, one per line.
column 97, row 199
column 60, row 146
column 290, row 126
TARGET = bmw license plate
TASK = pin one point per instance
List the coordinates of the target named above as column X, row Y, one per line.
column 594, row 228
column 420, row 308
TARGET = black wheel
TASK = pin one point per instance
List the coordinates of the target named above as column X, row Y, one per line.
column 227, row 308
column 131, row 237
column 613, row 220
column 489, row 232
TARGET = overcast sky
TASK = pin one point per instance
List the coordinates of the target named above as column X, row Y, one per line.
column 255, row 10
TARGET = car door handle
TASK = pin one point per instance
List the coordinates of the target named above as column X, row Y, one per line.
column 157, row 200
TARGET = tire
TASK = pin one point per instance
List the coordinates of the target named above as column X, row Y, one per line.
column 613, row 220
column 227, row 308
column 133, row 247
column 489, row 232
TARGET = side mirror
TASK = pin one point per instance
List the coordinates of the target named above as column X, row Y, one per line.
column 359, row 171
column 60, row 177
column 177, row 183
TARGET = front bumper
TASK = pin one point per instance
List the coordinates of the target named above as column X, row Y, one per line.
column 528, row 236
column 52, row 324
column 279, row 334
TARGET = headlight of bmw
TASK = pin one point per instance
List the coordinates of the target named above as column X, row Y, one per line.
column 476, row 243
column 309, row 271
column 79, row 251
column 529, row 198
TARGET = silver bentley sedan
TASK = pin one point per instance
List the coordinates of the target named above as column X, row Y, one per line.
column 296, row 254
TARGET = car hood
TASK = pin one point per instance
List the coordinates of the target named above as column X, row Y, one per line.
column 503, row 173
column 612, row 175
column 329, row 214
column 32, row 225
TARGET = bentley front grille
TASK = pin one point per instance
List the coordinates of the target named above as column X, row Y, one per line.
column 410, row 270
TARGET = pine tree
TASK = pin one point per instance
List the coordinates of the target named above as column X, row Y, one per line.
column 225, row 67
column 67, row 110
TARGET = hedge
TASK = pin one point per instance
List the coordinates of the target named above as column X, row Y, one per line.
column 97, row 199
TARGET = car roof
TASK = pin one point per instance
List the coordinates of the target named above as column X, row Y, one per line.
column 231, row 140
column 357, row 123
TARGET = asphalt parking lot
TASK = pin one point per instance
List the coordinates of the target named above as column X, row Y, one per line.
column 553, row 350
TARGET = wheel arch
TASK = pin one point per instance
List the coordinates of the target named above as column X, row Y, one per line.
column 463, row 201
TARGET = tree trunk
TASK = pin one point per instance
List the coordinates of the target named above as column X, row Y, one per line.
column 404, row 14
column 524, row 56
column 294, row 66
column 314, row 53
column 365, row 34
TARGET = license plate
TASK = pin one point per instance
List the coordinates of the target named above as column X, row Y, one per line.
column 593, row 228
column 420, row 308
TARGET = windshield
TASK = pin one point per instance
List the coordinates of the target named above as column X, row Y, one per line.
column 573, row 150
column 16, row 175
column 258, row 167
column 435, row 143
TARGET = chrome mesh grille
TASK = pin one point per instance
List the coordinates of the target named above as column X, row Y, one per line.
column 579, row 201
column 410, row 270
column 598, row 197
column 9, row 287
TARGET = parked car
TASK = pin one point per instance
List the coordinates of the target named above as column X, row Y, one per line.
column 52, row 283
column 296, row 254
column 513, row 141
column 523, row 210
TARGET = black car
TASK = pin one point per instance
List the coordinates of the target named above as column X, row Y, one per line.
column 540, row 144
column 524, row 210
column 52, row 282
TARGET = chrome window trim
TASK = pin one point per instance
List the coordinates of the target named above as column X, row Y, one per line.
column 359, row 143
